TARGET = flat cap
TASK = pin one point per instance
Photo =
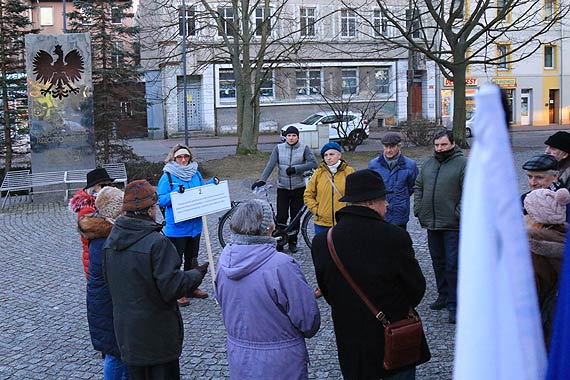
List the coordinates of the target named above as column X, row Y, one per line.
column 391, row 138
column 541, row 163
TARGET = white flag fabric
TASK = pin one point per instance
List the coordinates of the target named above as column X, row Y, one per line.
column 499, row 333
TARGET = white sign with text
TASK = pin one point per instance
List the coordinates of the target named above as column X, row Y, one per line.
column 200, row 201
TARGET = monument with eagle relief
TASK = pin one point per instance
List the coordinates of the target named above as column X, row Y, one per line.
column 60, row 101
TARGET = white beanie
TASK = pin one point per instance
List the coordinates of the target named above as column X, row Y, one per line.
column 109, row 202
column 546, row 206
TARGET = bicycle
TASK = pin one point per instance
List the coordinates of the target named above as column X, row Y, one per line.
column 282, row 231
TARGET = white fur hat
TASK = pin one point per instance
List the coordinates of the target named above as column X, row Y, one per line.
column 546, row 206
column 109, row 202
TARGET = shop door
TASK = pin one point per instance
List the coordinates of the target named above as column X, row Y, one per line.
column 553, row 106
column 526, row 106
column 417, row 100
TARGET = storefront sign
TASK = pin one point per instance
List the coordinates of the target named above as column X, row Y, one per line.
column 468, row 82
column 505, row 82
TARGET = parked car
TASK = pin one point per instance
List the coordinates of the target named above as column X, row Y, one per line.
column 350, row 124
column 468, row 124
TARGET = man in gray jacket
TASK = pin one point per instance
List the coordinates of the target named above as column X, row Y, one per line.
column 437, row 199
column 292, row 159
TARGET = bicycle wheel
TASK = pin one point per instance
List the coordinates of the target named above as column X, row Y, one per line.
column 308, row 228
column 224, row 225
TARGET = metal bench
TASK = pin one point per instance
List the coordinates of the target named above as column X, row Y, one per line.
column 66, row 181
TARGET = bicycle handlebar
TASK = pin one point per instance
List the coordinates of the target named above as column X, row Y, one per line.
column 262, row 189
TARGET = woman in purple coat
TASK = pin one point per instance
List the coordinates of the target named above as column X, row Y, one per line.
column 267, row 305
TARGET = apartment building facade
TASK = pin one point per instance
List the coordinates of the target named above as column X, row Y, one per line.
column 339, row 63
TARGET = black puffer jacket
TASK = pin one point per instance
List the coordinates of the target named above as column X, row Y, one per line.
column 141, row 267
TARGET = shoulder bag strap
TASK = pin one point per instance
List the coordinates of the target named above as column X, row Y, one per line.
column 169, row 179
column 377, row 313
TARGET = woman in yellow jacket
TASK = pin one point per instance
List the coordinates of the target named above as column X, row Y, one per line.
column 326, row 186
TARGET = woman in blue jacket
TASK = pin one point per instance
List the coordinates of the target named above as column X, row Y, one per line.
column 180, row 173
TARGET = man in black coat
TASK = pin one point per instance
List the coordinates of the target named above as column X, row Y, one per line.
column 142, row 268
column 380, row 258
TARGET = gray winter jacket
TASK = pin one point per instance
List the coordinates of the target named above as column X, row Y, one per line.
column 297, row 156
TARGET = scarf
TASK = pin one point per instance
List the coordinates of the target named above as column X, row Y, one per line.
column 185, row 173
column 392, row 161
column 442, row 156
column 252, row 239
column 334, row 168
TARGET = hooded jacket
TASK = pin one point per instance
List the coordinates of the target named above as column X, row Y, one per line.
column 83, row 203
column 141, row 268
column 320, row 196
column 438, row 190
column 95, row 229
column 400, row 180
column 298, row 156
column 268, row 310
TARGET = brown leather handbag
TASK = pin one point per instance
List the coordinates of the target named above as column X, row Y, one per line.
column 402, row 339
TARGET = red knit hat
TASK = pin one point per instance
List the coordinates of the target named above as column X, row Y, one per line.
column 139, row 195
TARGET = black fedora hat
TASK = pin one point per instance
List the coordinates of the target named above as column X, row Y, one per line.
column 364, row 185
column 97, row 176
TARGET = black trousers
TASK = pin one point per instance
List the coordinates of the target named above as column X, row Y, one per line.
column 166, row 371
column 187, row 248
column 289, row 203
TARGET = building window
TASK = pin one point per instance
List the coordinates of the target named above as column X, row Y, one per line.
column 226, row 25
column 458, row 7
column 380, row 24
column 383, row 80
column 502, row 55
column 117, row 55
column 190, row 21
column 116, row 15
column 227, row 84
column 46, row 16
column 308, row 82
column 86, row 17
column 308, row 19
column 347, row 23
column 549, row 9
column 260, row 19
column 349, row 82
column 126, row 110
column 413, row 22
column 548, row 57
column 266, row 88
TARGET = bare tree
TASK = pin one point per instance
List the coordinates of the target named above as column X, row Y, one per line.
column 252, row 36
column 490, row 33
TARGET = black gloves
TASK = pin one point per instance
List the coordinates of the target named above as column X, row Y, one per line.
column 290, row 170
column 257, row 184
column 181, row 188
column 203, row 268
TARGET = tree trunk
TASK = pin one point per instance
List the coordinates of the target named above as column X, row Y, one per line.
column 459, row 105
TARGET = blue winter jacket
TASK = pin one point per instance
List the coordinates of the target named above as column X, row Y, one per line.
column 99, row 304
column 186, row 228
column 268, row 310
column 401, row 181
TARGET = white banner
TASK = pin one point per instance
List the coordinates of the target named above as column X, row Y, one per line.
column 200, row 201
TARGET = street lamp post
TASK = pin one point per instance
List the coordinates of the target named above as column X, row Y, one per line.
column 184, row 79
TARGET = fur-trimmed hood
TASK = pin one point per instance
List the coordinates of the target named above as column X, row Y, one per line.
column 94, row 227
column 81, row 200
column 546, row 242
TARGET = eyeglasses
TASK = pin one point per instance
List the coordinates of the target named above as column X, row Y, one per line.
column 185, row 156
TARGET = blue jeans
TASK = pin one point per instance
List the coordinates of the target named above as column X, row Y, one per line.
column 320, row 228
column 114, row 368
column 444, row 252
column 407, row 374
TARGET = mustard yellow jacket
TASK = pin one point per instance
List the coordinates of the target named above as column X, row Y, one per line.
column 320, row 196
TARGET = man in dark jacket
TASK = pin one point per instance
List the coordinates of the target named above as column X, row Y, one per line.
column 292, row 159
column 380, row 258
column 437, row 200
column 399, row 174
column 141, row 267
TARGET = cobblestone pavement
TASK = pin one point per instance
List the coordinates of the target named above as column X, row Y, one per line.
column 43, row 324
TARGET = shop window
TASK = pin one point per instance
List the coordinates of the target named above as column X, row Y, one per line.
column 349, row 82
column 227, row 84
column 383, row 81
column 308, row 82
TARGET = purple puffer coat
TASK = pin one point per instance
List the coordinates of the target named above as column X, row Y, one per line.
column 268, row 309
